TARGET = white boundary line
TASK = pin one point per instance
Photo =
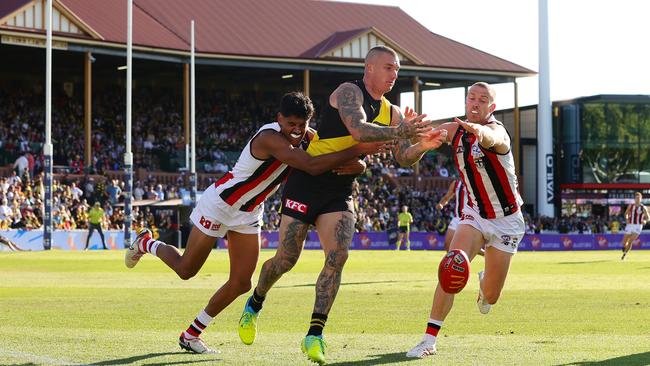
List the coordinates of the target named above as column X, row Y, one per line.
column 35, row 358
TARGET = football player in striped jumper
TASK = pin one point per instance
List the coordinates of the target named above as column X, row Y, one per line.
column 492, row 217
column 636, row 216
column 233, row 208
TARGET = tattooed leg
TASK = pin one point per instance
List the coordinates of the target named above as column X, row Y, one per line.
column 335, row 231
column 292, row 237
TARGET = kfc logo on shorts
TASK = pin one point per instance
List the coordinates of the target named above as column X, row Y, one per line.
column 295, row 206
column 209, row 224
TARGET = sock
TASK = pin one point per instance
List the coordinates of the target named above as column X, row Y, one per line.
column 317, row 324
column 433, row 327
column 408, row 245
column 198, row 325
column 256, row 301
column 149, row 245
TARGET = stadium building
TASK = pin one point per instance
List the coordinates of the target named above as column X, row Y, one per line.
column 601, row 145
column 248, row 50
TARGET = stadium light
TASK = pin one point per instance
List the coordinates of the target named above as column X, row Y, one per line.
column 287, row 76
column 430, row 83
column 120, row 68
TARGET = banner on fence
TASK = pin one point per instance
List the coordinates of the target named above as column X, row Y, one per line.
column 76, row 240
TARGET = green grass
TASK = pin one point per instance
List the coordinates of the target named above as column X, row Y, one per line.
column 567, row 308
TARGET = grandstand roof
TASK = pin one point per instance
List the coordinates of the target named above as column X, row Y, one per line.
column 283, row 29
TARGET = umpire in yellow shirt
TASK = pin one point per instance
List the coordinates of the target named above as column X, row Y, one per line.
column 95, row 217
column 404, row 221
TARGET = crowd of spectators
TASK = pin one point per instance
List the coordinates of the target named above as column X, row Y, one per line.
column 21, row 203
column 377, row 201
column 224, row 125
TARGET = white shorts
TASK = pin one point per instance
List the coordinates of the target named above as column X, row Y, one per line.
column 215, row 218
column 633, row 229
column 503, row 233
column 453, row 224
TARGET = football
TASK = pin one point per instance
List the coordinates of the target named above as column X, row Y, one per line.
column 453, row 271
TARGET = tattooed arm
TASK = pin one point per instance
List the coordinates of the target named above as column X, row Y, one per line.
column 348, row 99
column 408, row 152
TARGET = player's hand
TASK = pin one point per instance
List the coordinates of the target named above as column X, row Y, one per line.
column 371, row 148
column 473, row 128
column 439, row 207
column 413, row 125
column 433, row 138
column 352, row 167
column 410, row 112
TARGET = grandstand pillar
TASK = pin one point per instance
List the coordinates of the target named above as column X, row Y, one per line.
column 186, row 113
column 517, row 142
column 88, row 59
column 306, row 81
column 47, row 148
column 417, row 96
column 193, row 118
column 128, row 155
column 545, row 158
column 417, row 105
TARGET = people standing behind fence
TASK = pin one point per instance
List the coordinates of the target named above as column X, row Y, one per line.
column 95, row 219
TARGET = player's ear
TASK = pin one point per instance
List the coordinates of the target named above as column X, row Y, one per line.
column 493, row 106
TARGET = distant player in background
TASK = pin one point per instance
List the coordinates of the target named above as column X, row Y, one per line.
column 404, row 221
column 95, row 219
column 636, row 216
column 492, row 217
column 233, row 208
column 457, row 190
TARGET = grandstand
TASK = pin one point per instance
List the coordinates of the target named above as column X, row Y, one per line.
column 237, row 86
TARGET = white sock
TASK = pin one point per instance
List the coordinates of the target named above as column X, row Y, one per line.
column 151, row 245
column 430, row 338
column 154, row 247
column 199, row 324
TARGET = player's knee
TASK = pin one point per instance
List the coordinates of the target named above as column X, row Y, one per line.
column 287, row 261
column 240, row 285
column 186, row 273
column 337, row 258
column 491, row 295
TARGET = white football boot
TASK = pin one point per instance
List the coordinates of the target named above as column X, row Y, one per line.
column 423, row 349
column 195, row 345
column 483, row 305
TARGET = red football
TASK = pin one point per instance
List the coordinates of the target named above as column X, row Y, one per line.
column 453, row 271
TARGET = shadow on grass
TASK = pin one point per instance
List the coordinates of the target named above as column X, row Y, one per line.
column 134, row 359
column 351, row 283
column 638, row 359
column 585, row 262
column 386, row 358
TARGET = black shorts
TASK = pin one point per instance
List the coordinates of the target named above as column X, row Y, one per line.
column 403, row 229
column 306, row 197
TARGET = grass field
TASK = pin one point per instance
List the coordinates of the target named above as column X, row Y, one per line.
column 567, row 308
